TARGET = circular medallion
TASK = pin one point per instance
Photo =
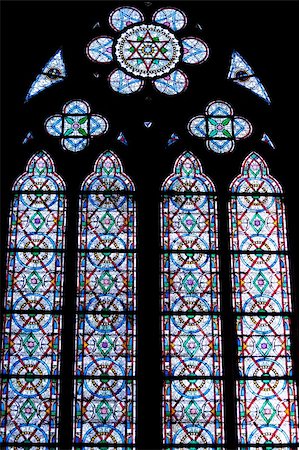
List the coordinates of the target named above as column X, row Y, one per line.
column 148, row 51
column 31, row 377
column 105, row 378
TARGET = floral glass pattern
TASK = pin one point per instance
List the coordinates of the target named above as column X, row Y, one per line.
column 191, row 316
column 32, row 320
column 104, row 397
column 220, row 127
column 53, row 72
column 76, row 125
column 147, row 51
column 241, row 73
column 267, row 412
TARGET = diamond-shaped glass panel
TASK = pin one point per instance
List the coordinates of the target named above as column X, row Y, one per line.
column 34, row 281
column 28, row 410
column 188, row 222
column 107, row 221
column 105, row 345
column 193, row 411
column 257, row 222
column 31, row 344
column 190, row 283
column 264, row 345
column 104, row 411
column 191, row 345
column 267, row 411
column 106, row 282
column 261, row 282
column 37, row 221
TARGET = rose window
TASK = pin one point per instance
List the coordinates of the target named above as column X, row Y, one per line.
column 147, row 51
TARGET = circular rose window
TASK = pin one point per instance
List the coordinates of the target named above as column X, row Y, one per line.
column 148, row 51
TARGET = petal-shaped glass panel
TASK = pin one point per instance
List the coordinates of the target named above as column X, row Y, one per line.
column 170, row 17
column 123, row 17
column 242, row 128
column 123, row 83
column 100, row 49
column 74, row 144
column 241, row 72
column 197, row 126
column 97, row 125
column 219, row 108
column 174, row 83
column 53, row 72
column 76, row 107
column 221, row 146
column 195, row 51
column 53, row 125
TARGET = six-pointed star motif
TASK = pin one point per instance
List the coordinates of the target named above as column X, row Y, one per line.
column 148, row 49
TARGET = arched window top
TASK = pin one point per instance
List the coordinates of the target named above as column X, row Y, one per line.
column 108, row 175
column 188, row 176
column 255, row 177
column 105, row 361
column 40, row 175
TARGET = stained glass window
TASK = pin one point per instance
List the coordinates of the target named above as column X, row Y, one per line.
column 220, row 127
column 30, row 360
column 53, row 72
column 147, row 50
column 76, row 125
column 267, row 140
column 241, row 73
column 191, row 318
column 104, row 405
column 266, row 392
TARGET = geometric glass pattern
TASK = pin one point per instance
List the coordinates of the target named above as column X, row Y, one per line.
column 30, row 356
column 220, row 127
column 171, row 17
column 267, row 140
column 147, row 51
column 241, row 72
column 53, row 72
column 122, row 138
column 172, row 139
column 76, row 125
column 191, row 317
column 267, row 412
column 29, row 136
column 105, row 386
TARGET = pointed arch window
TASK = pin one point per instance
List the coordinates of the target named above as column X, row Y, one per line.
column 266, row 391
column 30, row 362
column 104, row 397
column 191, row 317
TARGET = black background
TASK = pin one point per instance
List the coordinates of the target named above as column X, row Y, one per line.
column 265, row 33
